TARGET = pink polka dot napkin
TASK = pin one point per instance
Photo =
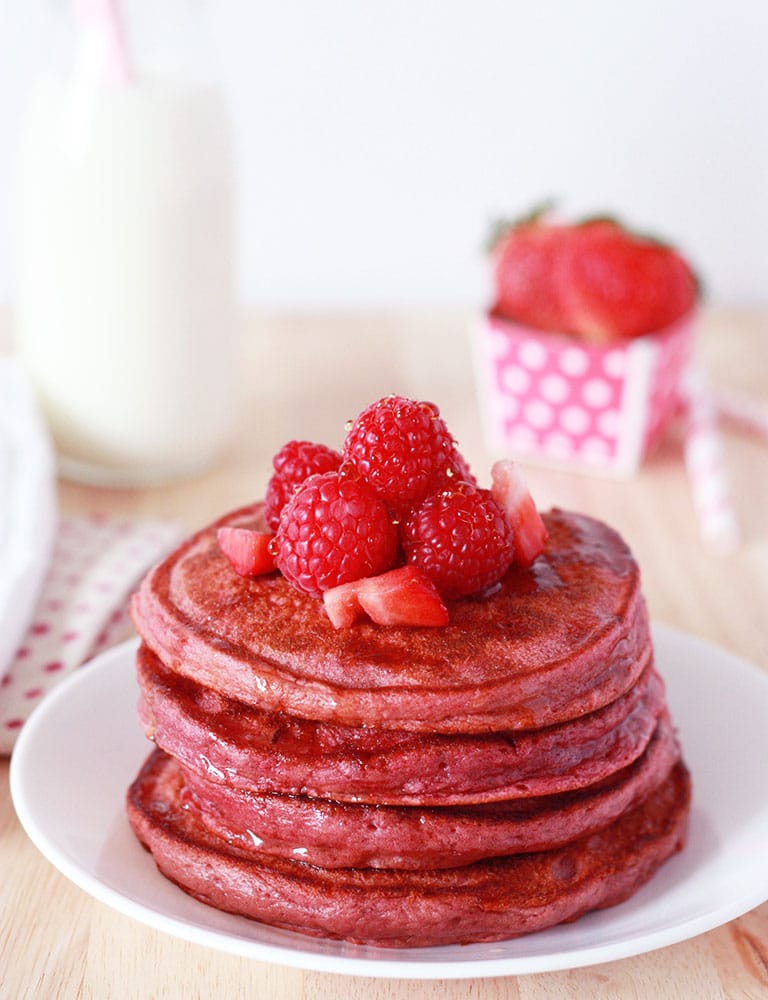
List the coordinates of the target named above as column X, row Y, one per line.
column 81, row 610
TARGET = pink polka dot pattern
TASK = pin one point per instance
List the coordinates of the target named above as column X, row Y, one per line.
column 81, row 610
column 546, row 396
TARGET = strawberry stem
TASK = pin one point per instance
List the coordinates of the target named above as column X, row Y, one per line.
column 501, row 227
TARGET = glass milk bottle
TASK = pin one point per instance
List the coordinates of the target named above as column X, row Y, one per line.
column 124, row 262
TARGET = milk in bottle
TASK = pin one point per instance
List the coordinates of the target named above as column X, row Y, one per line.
column 125, row 311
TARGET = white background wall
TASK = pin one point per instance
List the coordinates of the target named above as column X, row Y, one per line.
column 376, row 141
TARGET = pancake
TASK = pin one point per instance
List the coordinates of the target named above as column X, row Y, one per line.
column 272, row 752
column 556, row 641
column 343, row 835
column 407, row 787
column 486, row 901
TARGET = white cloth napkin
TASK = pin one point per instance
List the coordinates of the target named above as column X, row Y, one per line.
column 64, row 585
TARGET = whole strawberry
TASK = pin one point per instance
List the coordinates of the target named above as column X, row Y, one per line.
column 618, row 285
column 295, row 462
column 461, row 539
column 595, row 279
column 334, row 529
column 402, row 448
column 527, row 260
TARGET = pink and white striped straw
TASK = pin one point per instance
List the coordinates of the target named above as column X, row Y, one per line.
column 747, row 415
column 104, row 18
column 707, row 474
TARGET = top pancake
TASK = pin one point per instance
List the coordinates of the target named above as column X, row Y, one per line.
column 557, row 640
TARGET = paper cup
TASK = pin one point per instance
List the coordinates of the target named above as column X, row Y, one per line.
column 549, row 398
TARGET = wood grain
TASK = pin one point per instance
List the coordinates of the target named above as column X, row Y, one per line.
column 304, row 376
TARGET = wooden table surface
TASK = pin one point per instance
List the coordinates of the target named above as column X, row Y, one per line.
column 304, row 376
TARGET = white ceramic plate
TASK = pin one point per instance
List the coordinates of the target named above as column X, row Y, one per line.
column 82, row 747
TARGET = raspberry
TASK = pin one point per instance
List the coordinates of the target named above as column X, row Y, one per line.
column 456, row 470
column 334, row 529
column 294, row 463
column 401, row 448
column 461, row 539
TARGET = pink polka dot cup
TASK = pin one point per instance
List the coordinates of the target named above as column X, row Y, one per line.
column 550, row 398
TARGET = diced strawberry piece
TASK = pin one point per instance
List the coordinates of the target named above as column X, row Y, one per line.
column 511, row 493
column 342, row 604
column 247, row 550
column 404, row 596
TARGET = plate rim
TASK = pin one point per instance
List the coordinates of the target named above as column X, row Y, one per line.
column 397, row 967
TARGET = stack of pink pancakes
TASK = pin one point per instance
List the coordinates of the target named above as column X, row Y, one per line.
column 407, row 787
